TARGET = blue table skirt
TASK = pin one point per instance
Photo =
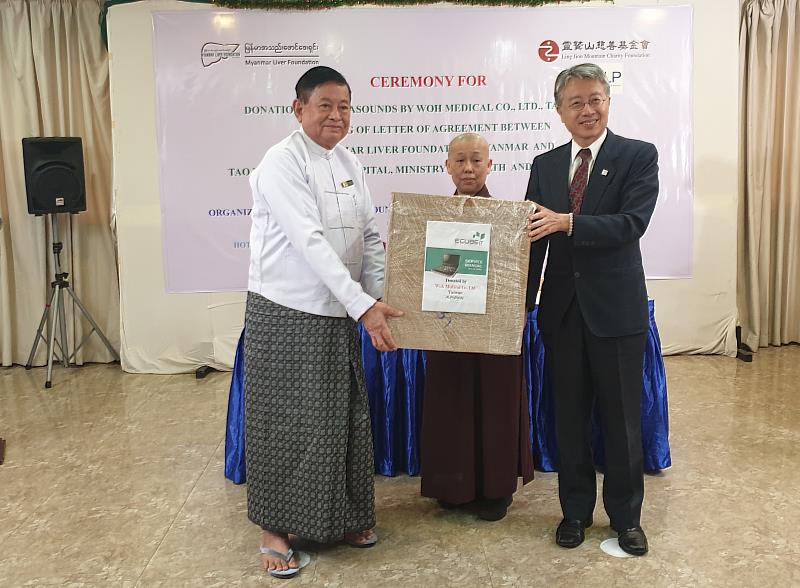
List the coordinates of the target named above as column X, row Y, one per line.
column 395, row 384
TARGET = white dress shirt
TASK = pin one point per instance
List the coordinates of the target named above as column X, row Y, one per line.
column 314, row 244
column 576, row 161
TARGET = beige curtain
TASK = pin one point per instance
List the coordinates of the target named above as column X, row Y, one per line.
column 54, row 82
column 769, row 213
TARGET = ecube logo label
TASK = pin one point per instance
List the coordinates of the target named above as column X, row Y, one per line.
column 548, row 51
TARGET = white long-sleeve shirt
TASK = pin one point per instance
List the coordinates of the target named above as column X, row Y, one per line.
column 314, row 244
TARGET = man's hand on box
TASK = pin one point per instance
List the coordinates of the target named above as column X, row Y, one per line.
column 374, row 321
column 545, row 222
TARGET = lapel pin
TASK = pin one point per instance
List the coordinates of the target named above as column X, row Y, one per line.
column 604, row 172
column 348, row 183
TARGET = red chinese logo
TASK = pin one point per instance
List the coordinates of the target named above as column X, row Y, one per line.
column 548, row 51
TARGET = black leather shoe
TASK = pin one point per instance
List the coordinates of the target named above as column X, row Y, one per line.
column 494, row 509
column 633, row 541
column 570, row 532
column 448, row 505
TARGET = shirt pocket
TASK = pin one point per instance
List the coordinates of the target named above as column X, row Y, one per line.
column 341, row 210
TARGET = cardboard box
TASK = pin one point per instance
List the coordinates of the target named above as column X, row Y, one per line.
column 420, row 272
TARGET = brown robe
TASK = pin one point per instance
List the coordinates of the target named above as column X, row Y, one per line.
column 475, row 425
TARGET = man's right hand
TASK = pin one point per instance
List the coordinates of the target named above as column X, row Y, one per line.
column 374, row 321
column 544, row 222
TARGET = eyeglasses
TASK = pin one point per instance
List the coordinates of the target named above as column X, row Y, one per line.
column 579, row 105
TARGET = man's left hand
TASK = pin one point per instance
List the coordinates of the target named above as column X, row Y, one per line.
column 544, row 222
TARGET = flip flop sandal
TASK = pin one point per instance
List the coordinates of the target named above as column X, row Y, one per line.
column 362, row 544
column 302, row 557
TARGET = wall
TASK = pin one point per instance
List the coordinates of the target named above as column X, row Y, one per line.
column 172, row 333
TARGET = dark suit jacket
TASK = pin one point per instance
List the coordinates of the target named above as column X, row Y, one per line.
column 601, row 263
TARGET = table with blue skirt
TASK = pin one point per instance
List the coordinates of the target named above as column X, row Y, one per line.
column 396, row 383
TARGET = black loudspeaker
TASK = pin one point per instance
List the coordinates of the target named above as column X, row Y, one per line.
column 54, row 177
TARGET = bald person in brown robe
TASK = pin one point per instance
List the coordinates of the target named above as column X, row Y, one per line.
column 475, row 422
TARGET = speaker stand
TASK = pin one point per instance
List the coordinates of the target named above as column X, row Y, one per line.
column 55, row 316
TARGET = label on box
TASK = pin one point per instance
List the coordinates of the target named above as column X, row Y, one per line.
column 456, row 267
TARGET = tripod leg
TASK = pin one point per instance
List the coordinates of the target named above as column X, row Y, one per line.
column 40, row 330
column 51, row 343
column 62, row 318
column 97, row 328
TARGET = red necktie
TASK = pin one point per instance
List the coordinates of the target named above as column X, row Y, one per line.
column 579, row 181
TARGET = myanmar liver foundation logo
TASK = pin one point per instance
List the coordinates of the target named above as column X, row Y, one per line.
column 212, row 53
column 548, row 51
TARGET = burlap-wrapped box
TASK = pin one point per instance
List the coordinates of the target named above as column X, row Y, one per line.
column 498, row 330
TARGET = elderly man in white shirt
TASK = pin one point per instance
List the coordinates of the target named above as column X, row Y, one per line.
column 316, row 269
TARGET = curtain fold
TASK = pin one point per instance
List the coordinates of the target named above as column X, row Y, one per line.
column 395, row 383
column 54, row 80
column 769, row 211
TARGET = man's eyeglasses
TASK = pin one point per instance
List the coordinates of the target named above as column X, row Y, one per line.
column 579, row 105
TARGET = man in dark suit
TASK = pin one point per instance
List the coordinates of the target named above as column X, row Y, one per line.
column 595, row 196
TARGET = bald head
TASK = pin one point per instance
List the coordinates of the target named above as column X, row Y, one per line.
column 468, row 162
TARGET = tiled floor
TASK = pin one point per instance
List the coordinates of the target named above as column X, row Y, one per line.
column 114, row 479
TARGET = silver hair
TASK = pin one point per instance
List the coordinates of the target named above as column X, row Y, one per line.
column 582, row 71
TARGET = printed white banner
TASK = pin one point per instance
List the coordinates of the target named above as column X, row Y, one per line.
column 225, row 83
column 456, row 267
